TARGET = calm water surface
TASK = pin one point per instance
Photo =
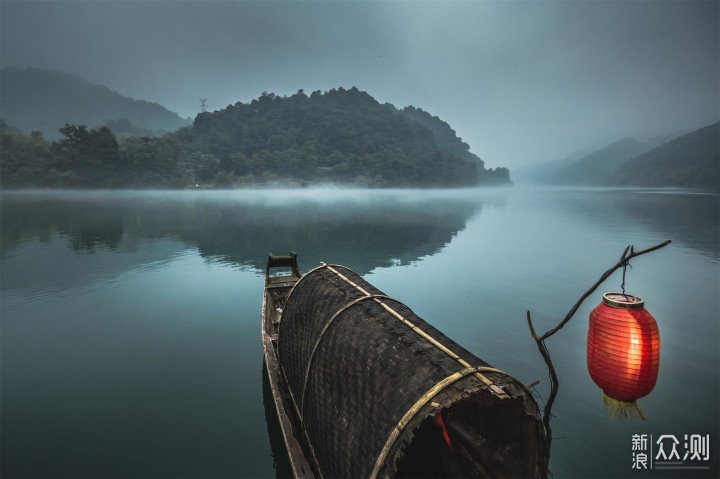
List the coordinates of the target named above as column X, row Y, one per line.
column 130, row 321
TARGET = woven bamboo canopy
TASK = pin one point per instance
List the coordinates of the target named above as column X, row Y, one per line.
column 382, row 393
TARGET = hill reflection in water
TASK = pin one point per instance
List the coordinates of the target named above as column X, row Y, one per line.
column 363, row 230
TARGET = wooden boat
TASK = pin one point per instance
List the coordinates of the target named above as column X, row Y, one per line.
column 363, row 387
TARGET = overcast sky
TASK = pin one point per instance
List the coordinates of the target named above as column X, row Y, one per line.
column 520, row 82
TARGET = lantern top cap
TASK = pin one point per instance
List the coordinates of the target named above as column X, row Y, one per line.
column 623, row 301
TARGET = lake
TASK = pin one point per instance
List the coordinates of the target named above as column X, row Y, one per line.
column 131, row 320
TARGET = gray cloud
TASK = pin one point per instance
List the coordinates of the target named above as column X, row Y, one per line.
column 521, row 82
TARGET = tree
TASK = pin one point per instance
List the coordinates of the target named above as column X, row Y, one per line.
column 24, row 160
column 92, row 155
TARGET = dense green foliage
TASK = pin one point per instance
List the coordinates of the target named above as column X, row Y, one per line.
column 24, row 160
column 692, row 160
column 84, row 158
column 44, row 100
column 340, row 136
column 448, row 141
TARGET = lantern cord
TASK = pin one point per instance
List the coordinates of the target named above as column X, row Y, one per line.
column 625, row 265
column 624, row 262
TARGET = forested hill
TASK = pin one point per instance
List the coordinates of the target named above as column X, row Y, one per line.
column 35, row 99
column 445, row 136
column 340, row 136
column 692, row 160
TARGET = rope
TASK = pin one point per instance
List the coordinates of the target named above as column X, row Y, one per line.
column 493, row 387
column 625, row 265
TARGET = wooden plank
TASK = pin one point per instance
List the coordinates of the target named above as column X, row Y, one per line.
column 298, row 461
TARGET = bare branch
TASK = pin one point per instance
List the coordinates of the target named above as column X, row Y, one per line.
column 627, row 255
column 547, row 411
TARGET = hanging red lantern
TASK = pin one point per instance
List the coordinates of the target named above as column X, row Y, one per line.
column 623, row 351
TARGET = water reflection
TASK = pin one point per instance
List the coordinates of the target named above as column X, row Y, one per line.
column 689, row 218
column 242, row 229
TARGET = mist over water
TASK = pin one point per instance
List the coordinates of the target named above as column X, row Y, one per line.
column 130, row 320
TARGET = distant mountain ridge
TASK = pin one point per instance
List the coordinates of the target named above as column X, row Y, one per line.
column 686, row 161
column 35, row 99
column 593, row 169
column 692, row 160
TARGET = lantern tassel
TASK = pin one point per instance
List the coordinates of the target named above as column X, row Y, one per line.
column 622, row 409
